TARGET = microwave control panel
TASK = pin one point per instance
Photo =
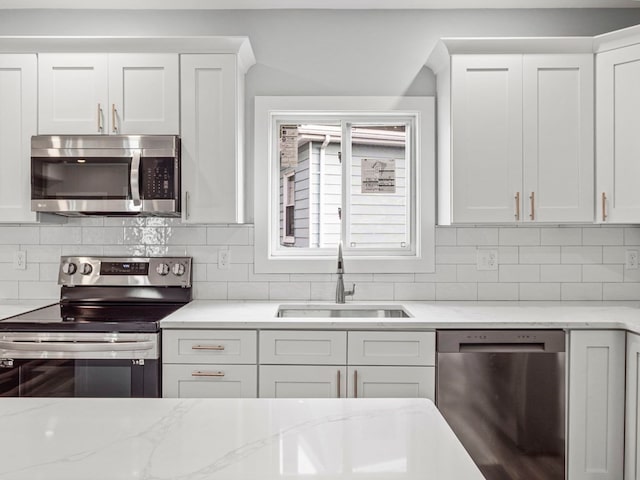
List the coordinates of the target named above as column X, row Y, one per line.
column 158, row 178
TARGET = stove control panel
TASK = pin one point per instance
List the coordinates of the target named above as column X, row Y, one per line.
column 125, row 271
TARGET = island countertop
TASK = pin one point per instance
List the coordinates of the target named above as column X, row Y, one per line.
column 261, row 439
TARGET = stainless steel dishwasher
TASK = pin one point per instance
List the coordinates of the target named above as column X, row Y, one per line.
column 503, row 394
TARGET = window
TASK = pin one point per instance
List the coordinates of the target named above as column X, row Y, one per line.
column 356, row 170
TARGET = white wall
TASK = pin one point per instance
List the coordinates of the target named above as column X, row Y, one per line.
column 320, row 52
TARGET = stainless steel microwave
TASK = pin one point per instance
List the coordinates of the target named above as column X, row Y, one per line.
column 106, row 174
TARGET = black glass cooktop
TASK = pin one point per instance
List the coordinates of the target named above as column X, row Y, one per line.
column 91, row 318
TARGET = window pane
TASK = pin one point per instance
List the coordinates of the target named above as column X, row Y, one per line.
column 310, row 184
column 379, row 199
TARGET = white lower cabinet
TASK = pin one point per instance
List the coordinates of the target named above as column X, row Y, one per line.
column 336, row 364
column 632, row 410
column 596, row 405
column 302, row 381
column 209, row 363
column 391, row 382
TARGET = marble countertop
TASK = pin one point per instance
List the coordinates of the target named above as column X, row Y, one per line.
column 423, row 315
column 258, row 439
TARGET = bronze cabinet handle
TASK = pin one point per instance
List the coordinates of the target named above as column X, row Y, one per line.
column 100, row 126
column 208, row 347
column 114, row 124
column 532, row 197
column 517, row 197
column 604, row 206
column 355, row 384
column 200, row 373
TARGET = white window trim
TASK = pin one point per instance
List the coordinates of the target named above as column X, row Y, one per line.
column 423, row 108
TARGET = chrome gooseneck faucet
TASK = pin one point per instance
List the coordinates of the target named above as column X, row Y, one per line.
column 341, row 293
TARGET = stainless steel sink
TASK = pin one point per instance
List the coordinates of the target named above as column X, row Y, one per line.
column 341, row 311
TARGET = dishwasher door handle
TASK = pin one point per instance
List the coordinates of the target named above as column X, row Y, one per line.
column 502, row 348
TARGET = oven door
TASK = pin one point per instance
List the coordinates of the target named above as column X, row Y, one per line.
column 79, row 365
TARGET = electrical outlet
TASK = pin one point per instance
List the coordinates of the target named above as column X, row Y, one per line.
column 224, row 259
column 19, row 260
column 631, row 260
column 487, row 259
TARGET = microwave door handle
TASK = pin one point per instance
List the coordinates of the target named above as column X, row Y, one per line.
column 135, row 178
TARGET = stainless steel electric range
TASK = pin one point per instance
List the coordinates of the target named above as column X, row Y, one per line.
column 103, row 338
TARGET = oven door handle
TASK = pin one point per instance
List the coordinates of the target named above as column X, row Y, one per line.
column 37, row 346
column 135, row 178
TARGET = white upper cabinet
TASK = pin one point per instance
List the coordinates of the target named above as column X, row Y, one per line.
column 18, row 122
column 558, row 154
column 106, row 93
column 212, row 112
column 618, row 135
column 486, row 137
column 515, row 131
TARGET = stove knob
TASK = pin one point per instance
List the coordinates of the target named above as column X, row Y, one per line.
column 178, row 269
column 69, row 268
column 162, row 269
column 86, row 269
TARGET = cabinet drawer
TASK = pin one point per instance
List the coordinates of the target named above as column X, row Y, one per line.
column 303, row 347
column 209, row 381
column 209, row 346
column 392, row 348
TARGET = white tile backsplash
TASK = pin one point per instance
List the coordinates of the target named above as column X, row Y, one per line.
column 581, row 291
column 498, row 291
column 560, row 273
column 581, row 255
column 603, row 236
column 519, row 236
column 535, row 263
column 561, row 236
column 539, row 291
column 540, row 255
column 457, row 291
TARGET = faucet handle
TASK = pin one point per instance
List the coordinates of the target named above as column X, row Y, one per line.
column 350, row 293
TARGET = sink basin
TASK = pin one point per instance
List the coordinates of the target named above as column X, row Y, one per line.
column 341, row 311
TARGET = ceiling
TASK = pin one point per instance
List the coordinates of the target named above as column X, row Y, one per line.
column 318, row 4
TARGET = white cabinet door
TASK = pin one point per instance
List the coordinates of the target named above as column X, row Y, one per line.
column 212, row 91
column 144, row 94
column 486, row 143
column 632, row 418
column 18, row 122
column 596, row 405
column 558, row 138
column 73, row 93
column 127, row 93
column 302, row 381
column 209, row 381
column 617, row 135
column 391, row 382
